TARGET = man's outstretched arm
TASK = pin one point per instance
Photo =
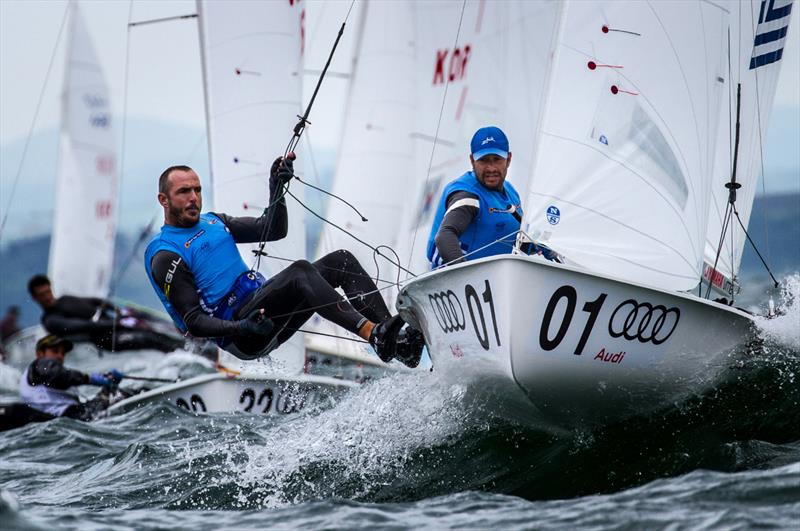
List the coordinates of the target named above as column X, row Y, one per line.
column 177, row 283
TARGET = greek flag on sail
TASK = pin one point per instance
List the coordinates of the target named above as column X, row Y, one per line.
column 773, row 22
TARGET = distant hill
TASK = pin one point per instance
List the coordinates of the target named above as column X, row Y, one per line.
column 22, row 258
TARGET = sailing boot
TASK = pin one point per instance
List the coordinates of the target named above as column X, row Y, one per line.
column 408, row 349
column 384, row 337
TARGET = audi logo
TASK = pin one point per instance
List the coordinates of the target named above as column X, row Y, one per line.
column 448, row 311
column 643, row 321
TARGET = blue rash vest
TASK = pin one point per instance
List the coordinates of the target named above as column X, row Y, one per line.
column 210, row 253
column 491, row 224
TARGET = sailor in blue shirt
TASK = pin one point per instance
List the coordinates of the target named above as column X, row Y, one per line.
column 479, row 213
column 205, row 286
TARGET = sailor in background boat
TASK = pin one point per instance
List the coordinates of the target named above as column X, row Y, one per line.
column 480, row 213
column 98, row 321
column 46, row 385
column 197, row 272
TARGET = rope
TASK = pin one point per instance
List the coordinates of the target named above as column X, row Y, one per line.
column 33, row 122
column 331, row 223
column 295, row 140
column 436, row 135
column 754, row 247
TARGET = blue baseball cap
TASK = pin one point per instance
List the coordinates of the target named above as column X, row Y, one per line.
column 489, row 141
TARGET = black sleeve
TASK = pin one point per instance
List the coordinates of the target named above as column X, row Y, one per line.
column 462, row 208
column 177, row 283
column 275, row 221
column 53, row 374
column 74, row 326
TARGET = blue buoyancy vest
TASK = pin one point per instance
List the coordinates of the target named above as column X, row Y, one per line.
column 495, row 226
column 210, row 253
column 45, row 399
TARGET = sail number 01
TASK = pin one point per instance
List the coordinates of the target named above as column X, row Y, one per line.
column 571, row 296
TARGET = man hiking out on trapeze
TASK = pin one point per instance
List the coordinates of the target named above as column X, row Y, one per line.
column 197, row 272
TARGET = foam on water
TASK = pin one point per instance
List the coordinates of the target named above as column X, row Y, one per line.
column 362, row 443
column 784, row 330
column 9, row 378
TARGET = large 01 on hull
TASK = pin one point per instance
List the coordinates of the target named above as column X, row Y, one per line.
column 584, row 349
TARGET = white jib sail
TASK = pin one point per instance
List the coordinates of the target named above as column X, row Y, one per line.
column 493, row 75
column 84, row 221
column 621, row 179
column 251, row 63
column 376, row 158
column 758, row 32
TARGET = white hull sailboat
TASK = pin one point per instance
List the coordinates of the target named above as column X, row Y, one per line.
column 633, row 141
column 226, row 393
column 582, row 348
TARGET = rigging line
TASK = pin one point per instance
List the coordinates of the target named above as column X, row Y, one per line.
column 725, row 224
column 354, row 340
column 375, row 255
column 121, row 172
column 761, row 153
column 435, row 138
column 374, row 249
column 315, row 175
column 284, row 259
column 298, row 131
column 33, row 121
column 157, row 20
column 754, row 246
column 331, row 194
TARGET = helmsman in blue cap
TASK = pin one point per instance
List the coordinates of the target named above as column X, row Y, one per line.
column 479, row 213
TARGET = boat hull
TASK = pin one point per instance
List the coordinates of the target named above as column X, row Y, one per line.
column 221, row 393
column 584, row 349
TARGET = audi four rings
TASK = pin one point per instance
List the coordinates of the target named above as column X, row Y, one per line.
column 448, row 311
column 643, row 321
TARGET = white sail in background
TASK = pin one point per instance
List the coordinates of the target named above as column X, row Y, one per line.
column 376, row 155
column 84, row 222
column 251, row 64
column 758, row 32
column 494, row 75
column 623, row 162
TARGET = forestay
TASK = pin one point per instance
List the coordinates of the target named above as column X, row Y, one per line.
column 625, row 152
column 375, row 162
column 251, row 65
column 494, row 74
column 758, row 32
column 84, row 222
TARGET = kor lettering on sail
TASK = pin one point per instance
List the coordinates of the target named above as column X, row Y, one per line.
column 453, row 64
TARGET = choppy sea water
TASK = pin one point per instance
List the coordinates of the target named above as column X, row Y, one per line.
column 406, row 451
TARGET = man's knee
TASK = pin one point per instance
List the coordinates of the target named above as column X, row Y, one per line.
column 303, row 267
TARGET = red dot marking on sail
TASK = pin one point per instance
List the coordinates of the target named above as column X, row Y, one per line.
column 592, row 65
column 605, row 28
column 615, row 89
column 238, row 72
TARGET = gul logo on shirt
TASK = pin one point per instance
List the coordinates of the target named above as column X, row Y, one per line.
column 193, row 238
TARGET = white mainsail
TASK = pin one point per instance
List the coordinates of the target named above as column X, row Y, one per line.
column 623, row 161
column 376, row 158
column 758, row 33
column 84, row 221
column 251, row 64
column 494, row 74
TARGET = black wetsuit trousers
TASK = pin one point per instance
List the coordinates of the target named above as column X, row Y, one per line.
column 292, row 296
